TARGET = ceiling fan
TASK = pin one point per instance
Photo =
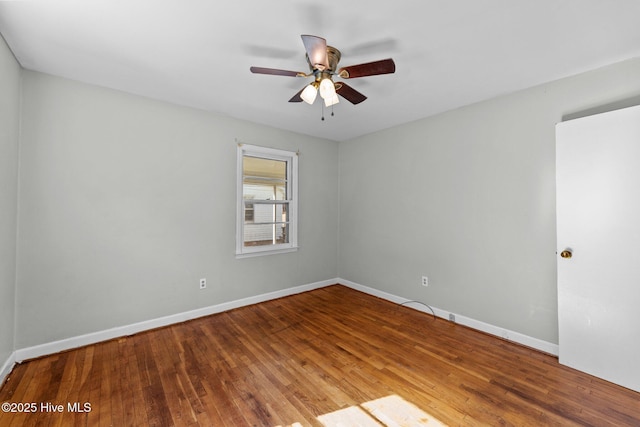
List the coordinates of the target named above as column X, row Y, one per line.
column 323, row 61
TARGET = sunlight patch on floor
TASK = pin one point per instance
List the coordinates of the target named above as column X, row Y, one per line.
column 390, row 411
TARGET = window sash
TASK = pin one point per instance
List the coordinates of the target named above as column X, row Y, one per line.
column 283, row 223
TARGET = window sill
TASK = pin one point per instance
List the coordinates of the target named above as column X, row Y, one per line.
column 252, row 254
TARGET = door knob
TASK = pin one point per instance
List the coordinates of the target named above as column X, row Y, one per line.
column 566, row 253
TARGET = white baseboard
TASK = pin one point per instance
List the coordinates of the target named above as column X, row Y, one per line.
column 517, row 337
column 7, row 367
column 122, row 331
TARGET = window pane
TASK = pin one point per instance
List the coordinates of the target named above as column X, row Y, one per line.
column 280, row 191
column 264, row 168
column 264, row 191
column 265, row 234
column 270, row 213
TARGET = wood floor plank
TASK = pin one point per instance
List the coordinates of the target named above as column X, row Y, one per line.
column 330, row 355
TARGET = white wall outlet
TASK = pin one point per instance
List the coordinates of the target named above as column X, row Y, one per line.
column 452, row 317
column 425, row 281
column 203, row 283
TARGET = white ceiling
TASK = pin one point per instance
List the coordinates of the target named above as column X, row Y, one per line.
column 448, row 53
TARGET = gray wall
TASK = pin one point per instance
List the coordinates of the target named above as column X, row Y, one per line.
column 126, row 202
column 468, row 199
column 9, row 135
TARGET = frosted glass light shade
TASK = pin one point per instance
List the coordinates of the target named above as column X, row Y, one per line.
column 309, row 94
column 328, row 102
column 327, row 89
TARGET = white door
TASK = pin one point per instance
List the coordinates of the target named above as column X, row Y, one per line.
column 598, row 225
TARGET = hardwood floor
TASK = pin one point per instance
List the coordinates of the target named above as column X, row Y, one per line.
column 332, row 356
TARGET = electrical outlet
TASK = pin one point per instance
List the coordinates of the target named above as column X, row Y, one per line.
column 452, row 317
column 203, row 283
column 425, row 281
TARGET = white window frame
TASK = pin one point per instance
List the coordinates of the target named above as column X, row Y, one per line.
column 291, row 158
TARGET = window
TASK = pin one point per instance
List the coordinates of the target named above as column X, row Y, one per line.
column 267, row 201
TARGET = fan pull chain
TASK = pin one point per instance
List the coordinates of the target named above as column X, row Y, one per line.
column 322, row 118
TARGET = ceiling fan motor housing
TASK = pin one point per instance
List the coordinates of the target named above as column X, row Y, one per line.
column 333, row 57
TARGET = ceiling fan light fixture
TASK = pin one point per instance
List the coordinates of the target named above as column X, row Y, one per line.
column 328, row 102
column 309, row 94
column 327, row 89
column 323, row 62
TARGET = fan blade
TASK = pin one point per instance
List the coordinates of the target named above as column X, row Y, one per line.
column 296, row 97
column 349, row 93
column 276, row 72
column 316, row 48
column 385, row 66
